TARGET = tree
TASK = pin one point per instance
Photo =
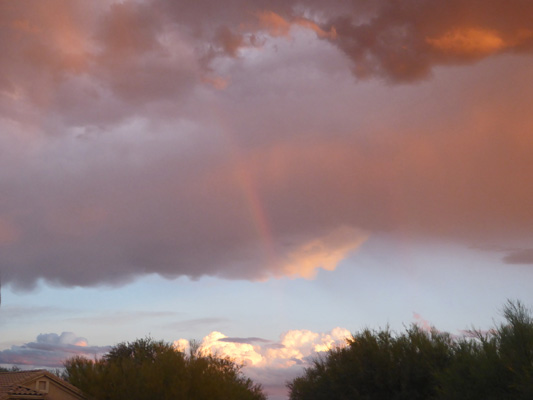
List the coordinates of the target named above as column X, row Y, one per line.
column 497, row 365
column 12, row 369
column 377, row 365
column 148, row 369
column 515, row 340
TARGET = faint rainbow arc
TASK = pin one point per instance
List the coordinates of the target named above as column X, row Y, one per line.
column 248, row 187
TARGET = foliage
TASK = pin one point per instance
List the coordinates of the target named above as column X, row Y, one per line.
column 379, row 365
column 12, row 369
column 148, row 369
column 497, row 365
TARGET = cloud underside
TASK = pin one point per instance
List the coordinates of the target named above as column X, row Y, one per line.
column 262, row 139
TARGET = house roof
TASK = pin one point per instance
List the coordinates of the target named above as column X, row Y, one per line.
column 7, row 391
column 9, row 378
column 13, row 384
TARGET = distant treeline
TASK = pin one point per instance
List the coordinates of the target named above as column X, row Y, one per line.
column 422, row 365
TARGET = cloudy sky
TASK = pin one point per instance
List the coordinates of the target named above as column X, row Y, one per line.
column 265, row 176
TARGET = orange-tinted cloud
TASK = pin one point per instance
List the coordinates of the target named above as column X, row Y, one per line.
column 466, row 42
column 276, row 25
column 325, row 252
column 474, row 42
column 403, row 41
column 216, row 82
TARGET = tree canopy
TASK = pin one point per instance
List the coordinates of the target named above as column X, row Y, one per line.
column 381, row 365
column 148, row 369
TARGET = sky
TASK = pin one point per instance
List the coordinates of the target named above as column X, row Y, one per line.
column 264, row 177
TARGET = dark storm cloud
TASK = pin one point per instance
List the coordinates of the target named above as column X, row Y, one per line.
column 229, row 139
column 404, row 40
column 398, row 40
column 144, row 51
column 95, row 64
column 91, row 64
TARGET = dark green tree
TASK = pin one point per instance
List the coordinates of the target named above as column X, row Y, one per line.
column 497, row 365
column 148, row 369
column 377, row 365
column 12, row 369
column 476, row 371
column 515, row 340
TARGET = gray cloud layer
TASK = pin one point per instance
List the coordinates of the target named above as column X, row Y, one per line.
column 50, row 350
column 249, row 340
column 224, row 138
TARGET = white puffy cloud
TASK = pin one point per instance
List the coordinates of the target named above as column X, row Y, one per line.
column 243, row 353
column 272, row 363
column 294, row 347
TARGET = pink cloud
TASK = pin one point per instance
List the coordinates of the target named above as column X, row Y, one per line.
column 422, row 323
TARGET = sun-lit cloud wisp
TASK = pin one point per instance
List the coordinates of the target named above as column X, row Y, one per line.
column 325, row 252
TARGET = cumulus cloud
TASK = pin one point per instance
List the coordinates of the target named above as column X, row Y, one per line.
column 272, row 363
column 50, row 350
column 244, row 353
column 295, row 347
column 200, row 138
